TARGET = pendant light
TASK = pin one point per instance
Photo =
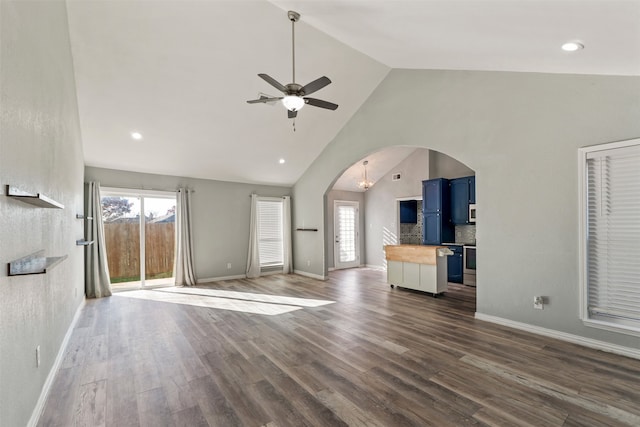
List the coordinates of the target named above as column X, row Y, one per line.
column 365, row 183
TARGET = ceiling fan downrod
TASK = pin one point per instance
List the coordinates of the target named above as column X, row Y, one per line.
column 293, row 17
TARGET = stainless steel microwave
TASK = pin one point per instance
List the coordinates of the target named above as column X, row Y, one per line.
column 472, row 213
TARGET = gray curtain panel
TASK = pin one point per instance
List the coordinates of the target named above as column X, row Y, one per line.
column 253, row 257
column 183, row 265
column 96, row 283
column 287, row 265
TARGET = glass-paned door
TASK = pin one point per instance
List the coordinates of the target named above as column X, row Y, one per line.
column 139, row 226
column 159, row 240
column 347, row 242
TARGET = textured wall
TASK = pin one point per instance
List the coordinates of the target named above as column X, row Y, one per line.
column 40, row 151
column 520, row 132
column 221, row 212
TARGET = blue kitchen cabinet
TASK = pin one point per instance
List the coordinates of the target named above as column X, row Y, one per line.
column 454, row 265
column 435, row 196
column 436, row 205
column 408, row 211
column 463, row 193
column 472, row 189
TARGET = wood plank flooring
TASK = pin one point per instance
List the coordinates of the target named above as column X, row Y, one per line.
column 293, row 351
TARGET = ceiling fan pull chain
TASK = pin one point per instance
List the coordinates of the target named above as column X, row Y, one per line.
column 294, row 125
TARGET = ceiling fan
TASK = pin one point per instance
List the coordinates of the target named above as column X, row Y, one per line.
column 295, row 95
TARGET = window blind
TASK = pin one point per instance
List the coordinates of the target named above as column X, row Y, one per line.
column 270, row 232
column 613, row 234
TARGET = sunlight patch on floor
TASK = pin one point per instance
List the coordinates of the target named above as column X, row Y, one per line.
column 248, row 296
column 245, row 302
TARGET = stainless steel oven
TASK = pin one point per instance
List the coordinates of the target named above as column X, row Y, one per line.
column 469, row 265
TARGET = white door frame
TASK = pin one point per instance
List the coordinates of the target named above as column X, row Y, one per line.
column 398, row 200
column 140, row 195
column 336, row 243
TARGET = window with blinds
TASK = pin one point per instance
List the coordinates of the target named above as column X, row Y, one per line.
column 270, row 232
column 612, row 234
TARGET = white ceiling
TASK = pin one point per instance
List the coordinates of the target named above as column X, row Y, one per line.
column 180, row 71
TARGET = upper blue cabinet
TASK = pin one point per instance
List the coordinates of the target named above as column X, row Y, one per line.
column 463, row 193
column 436, row 204
column 408, row 211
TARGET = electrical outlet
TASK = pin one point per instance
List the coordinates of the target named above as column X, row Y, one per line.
column 538, row 303
column 228, row 266
column 308, row 263
column 37, row 356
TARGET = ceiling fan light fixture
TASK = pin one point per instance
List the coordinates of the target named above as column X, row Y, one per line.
column 293, row 103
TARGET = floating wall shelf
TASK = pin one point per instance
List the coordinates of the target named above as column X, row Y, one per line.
column 83, row 242
column 38, row 199
column 36, row 263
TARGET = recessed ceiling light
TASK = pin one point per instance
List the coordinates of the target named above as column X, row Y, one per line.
column 572, row 46
column 281, row 161
column 136, row 135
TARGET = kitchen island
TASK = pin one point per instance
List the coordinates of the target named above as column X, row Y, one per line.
column 419, row 267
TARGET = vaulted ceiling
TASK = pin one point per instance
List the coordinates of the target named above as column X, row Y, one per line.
column 180, row 72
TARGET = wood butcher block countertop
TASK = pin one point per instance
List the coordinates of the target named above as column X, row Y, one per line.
column 419, row 254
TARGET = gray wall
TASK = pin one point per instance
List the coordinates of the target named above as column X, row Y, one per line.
column 443, row 166
column 40, row 151
column 520, row 132
column 353, row 196
column 221, row 213
column 381, row 208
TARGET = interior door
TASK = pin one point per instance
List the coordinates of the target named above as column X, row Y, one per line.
column 347, row 237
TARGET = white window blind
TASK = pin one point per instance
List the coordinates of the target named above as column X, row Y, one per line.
column 613, row 235
column 270, row 237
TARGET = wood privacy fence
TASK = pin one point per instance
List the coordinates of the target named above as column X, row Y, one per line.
column 123, row 250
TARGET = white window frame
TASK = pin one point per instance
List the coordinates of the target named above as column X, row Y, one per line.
column 281, row 201
column 626, row 327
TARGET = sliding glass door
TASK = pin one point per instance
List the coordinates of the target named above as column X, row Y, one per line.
column 139, row 237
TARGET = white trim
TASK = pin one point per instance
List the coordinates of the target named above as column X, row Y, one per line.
column 312, row 275
column 337, row 265
column 217, row 279
column 46, row 387
column 376, row 267
column 398, row 226
column 575, row 339
column 331, row 269
column 583, row 154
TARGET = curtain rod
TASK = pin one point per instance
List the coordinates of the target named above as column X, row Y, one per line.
column 254, row 194
column 145, row 189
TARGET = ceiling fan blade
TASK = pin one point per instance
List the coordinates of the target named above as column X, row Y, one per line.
column 263, row 99
column 315, row 85
column 320, row 103
column 273, row 82
column 292, row 114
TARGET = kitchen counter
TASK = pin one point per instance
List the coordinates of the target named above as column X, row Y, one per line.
column 419, row 267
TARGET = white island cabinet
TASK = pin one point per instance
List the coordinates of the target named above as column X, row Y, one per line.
column 419, row 267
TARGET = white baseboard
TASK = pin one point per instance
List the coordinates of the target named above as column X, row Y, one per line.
column 217, row 279
column 377, row 267
column 46, row 388
column 575, row 339
column 331, row 269
column 313, row 276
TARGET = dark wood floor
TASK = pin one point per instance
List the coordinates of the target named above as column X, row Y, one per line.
column 293, row 351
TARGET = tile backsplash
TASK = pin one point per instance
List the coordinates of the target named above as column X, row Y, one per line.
column 411, row 234
column 465, row 234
